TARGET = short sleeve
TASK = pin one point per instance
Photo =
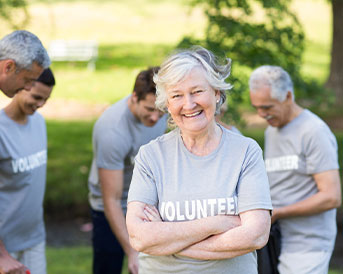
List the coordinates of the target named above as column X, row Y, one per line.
column 320, row 150
column 143, row 187
column 111, row 149
column 253, row 187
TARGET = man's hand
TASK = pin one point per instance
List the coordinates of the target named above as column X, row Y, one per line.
column 8, row 265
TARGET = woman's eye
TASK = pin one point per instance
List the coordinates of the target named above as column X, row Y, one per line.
column 175, row 96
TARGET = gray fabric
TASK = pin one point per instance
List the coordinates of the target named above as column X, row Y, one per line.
column 235, row 130
column 117, row 136
column 23, row 159
column 293, row 153
column 230, row 180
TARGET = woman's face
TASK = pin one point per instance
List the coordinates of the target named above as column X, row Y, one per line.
column 30, row 101
column 192, row 102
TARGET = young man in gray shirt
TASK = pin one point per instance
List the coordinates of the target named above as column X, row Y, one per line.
column 302, row 165
column 117, row 136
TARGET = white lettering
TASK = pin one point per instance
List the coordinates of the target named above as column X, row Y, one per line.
column 201, row 209
column 289, row 162
column 179, row 216
column 231, row 206
column 30, row 162
column 221, row 206
column 190, row 216
column 197, row 209
column 212, row 203
column 170, row 216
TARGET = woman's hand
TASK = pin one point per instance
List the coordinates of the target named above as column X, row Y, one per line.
column 152, row 214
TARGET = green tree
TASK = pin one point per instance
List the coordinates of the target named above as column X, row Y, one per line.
column 14, row 12
column 254, row 33
column 335, row 80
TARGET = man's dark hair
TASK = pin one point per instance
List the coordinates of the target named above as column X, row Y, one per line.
column 144, row 83
column 47, row 78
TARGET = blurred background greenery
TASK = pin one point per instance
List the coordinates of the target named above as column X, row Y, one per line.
column 133, row 35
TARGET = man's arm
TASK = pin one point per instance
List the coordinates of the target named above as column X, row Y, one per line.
column 159, row 238
column 8, row 264
column 327, row 197
column 112, row 182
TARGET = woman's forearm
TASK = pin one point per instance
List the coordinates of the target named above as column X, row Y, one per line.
column 251, row 235
column 165, row 238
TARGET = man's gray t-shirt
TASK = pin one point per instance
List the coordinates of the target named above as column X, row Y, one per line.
column 23, row 158
column 230, row 180
column 117, row 137
column 293, row 153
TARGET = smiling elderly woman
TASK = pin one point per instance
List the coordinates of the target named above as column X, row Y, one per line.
column 199, row 199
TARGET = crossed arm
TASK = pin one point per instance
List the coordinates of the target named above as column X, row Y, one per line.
column 211, row 238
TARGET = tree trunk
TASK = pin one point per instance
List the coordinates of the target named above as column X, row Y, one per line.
column 335, row 80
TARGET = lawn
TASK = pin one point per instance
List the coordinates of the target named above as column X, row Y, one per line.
column 78, row 260
column 134, row 34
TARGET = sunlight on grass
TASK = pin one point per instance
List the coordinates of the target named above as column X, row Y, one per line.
column 78, row 260
column 117, row 68
column 134, row 34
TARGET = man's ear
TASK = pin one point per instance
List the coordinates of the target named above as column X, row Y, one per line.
column 134, row 97
column 9, row 66
column 289, row 96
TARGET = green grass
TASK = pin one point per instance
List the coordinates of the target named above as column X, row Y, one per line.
column 117, row 68
column 69, row 160
column 78, row 260
column 134, row 34
column 75, row 260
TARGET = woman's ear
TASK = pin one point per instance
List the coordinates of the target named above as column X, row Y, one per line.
column 217, row 94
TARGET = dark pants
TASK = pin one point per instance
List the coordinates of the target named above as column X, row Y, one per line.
column 108, row 255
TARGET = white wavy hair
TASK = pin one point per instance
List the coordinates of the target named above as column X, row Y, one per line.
column 178, row 65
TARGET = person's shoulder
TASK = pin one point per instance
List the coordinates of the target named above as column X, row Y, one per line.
column 161, row 142
column 114, row 117
column 240, row 141
column 37, row 117
column 312, row 123
column 236, row 136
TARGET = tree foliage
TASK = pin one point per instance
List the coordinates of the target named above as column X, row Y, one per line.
column 254, row 33
column 335, row 80
column 14, row 12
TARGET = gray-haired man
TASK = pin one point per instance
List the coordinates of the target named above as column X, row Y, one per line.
column 302, row 165
column 22, row 60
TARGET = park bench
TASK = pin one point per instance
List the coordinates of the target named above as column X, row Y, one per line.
column 74, row 50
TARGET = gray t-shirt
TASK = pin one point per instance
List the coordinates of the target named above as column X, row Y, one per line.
column 293, row 153
column 117, row 136
column 230, row 180
column 23, row 157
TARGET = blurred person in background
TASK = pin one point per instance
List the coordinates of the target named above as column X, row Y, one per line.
column 302, row 164
column 22, row 60
column 117, row 136
column 23, row 159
